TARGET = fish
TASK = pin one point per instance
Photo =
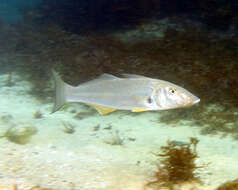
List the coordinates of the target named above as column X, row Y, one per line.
column 132, row 92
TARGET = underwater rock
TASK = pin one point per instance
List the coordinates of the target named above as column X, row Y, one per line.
column 96, row 127
column 108, row 127
column 230, row 185
column 114, row 139
column 84, row 114
column 8, row 187
column 5, row 117
column 68, row 127
column 20, row 134
column 40, row 188
column 37, row 115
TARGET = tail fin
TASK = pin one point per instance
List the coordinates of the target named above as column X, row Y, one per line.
column 60, row 92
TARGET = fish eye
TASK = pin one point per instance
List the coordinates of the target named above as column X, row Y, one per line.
column 172, row 90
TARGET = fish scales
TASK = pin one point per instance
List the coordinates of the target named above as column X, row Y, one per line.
column 136, row 93
column 118, row 93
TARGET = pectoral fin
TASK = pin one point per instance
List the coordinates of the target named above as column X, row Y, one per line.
column 140, row 109
column 103, row 110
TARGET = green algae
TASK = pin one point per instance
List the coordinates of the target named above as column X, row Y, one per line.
column 211, row 119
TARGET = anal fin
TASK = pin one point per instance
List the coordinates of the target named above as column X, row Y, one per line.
column 102, row 110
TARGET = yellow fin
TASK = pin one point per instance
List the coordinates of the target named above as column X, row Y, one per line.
column 139, row 109
column 103, row 110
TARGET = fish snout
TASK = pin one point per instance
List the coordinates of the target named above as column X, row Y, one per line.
column 194, row 100
column 191, row 100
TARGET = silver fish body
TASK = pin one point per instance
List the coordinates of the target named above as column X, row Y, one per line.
column 136, row 93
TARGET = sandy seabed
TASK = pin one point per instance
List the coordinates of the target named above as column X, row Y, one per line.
column 112, row 152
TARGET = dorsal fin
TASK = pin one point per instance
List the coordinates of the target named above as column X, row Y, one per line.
column 104, row 76
column 133, row 76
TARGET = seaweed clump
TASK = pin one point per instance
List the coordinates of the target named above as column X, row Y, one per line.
column 178, row 164
column 230, row 185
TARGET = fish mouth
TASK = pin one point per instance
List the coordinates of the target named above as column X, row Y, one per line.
column 193, row 101
column 196, row 100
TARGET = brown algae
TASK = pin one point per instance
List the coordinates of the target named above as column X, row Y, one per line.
column 178, row 164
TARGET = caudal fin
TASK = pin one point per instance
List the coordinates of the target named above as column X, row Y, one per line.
column 60, row 92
